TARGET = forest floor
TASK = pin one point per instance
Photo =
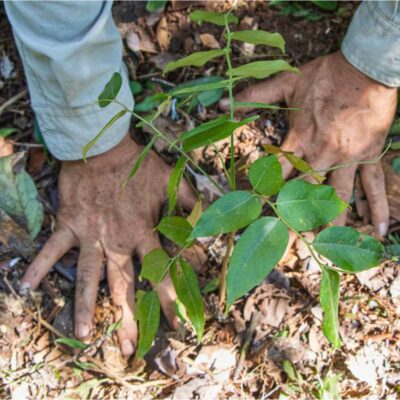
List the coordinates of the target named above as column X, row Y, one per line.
column 270, row 346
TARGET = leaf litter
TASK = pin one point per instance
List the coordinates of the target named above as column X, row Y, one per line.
column 287, row 357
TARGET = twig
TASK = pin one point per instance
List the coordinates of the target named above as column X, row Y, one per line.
column 222, row 287
column 12, row 100
column 246, row 345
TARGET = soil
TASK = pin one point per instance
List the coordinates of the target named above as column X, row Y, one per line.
column 280, row 321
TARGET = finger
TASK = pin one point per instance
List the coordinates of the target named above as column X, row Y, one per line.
column 90, row 265
column 373, row 181
column 121, row 281
column 343, row 181
column 187, row 196
column 56, row 246
column 165, row 289
column 290, row 144
column 275, row 90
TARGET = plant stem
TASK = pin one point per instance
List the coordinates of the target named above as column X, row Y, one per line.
column 174, row 146
column 232, row 181
column 224, row 271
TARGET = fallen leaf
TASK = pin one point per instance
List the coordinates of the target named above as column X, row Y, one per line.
column 18, row 194
column 162, row 34
column 208, row 40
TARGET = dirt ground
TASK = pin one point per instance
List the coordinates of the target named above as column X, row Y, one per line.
column 270, row 346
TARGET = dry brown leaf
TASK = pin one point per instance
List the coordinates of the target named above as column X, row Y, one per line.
column 208, row 40
column 162, row 34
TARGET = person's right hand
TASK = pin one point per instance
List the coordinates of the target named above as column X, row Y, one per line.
column 110, row 225
column 344, row 117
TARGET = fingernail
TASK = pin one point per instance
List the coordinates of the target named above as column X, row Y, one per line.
column 83, row 330
column 127, row 347
column 383, row 228
column 24, row 288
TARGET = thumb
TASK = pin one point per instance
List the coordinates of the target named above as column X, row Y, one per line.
column 275, row 90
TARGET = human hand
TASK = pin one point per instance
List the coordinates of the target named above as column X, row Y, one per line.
column 344, row 118
column 109, row 225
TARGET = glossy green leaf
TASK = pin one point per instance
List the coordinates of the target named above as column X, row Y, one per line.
column 329, row 299
column 174, row 182
column 155, row 265
column 136, row 87
column 302, row 166
column 176, row 229
column 148, row 314
column 262, row 69
column 256, row 253
column 155, row 5
column 111, row 90
column 211, row 286
column 108, row 125
column 265, row 175
column 139, row 161
column 230, row 212
column 327, row 5
column 215, row 18
column 19, row 197
column 4, row 132
column 188, row 292
column 212, row 132
column 396, row 165
column 196, row 60
column 252, row 104
column 306, row 206
column 260, row 37
column 201, row 87
column 349, row 249
column 150, row 102
column 71, row 342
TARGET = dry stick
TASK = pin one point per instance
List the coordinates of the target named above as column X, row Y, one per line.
column 246, row 345
column 11, row 101
column 222, row 286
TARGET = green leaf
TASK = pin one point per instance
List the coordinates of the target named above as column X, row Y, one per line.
column 136, row 87
column 195, row 214
column 302, row 166
column 260, row 37
column 73, row 343
column 174, row 182
column 211, row 286
column 84, row 365
column 18, row 195
column 396, row 165
column 200, row 87
column 188, row 292
column 113, row 327
column 252, row 104
column 111, row 122
column 326, row 5
column 230, row 212
column 262, row 69
column 204, row 96
column 155, row 265
column 155, row 5
column 148, row 314
column 349, row 249
column 111, row 90
column 215, row 18
column 150, row 102
column 4, row 132
column 329, row 299
column 212, row 132
column 306, row 206
column 139, row 161
column 196, row 59
column 176, row 229
column 265, row 175
column 256, row 253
